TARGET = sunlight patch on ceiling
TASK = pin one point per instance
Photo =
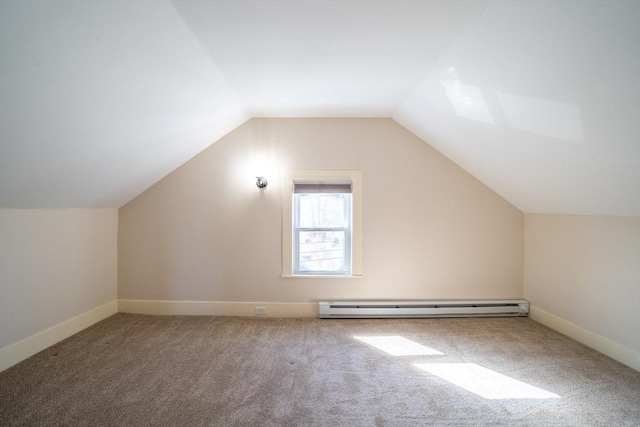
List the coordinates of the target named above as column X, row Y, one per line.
column 548, row 118
column 467, row 101
column 485, row 382
column 397, row 345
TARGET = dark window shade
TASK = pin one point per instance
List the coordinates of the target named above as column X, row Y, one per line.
column 329, row 187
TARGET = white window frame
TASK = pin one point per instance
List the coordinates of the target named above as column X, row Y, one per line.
column 291, row 177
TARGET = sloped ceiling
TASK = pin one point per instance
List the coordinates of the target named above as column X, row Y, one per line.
column 539, row 100
column 101, row 99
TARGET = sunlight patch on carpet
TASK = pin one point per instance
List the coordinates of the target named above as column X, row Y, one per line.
column 397, row 345
column 485, row 382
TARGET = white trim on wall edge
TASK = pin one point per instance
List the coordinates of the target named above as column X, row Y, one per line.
column 218, row 308
column 614, row 350
column 29, row 346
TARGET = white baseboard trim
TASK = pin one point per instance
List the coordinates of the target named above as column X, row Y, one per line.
column 614, row 350
column 29, row 346
column 218, row 308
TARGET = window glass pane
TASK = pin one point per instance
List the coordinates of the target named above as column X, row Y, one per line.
column 323, row 210
column 321, row 250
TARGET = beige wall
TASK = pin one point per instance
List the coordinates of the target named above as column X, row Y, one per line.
column 56, row 264
column 586, row 270
column 206, row 233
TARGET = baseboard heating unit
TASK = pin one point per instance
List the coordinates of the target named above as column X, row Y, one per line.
column 414, row 309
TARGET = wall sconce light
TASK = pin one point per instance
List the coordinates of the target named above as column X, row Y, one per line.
column 261, row 182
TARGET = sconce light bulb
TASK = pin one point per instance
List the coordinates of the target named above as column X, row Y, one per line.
column 261, row 182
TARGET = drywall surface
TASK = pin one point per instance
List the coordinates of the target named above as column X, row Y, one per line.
column 430, row 230
column 56, row 265
column 586, row 270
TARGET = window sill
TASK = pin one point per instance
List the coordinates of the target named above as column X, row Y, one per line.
column 320, row 276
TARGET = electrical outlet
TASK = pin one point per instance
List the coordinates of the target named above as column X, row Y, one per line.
column 261, row 311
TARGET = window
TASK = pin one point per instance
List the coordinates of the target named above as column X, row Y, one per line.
column 321, row 228
column 321, row 232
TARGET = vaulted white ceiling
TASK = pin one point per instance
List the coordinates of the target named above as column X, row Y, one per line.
column 539, row 100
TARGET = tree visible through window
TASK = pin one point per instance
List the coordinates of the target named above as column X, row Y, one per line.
column 322, row 228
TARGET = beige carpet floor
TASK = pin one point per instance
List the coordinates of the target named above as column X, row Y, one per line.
column 134, row 370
